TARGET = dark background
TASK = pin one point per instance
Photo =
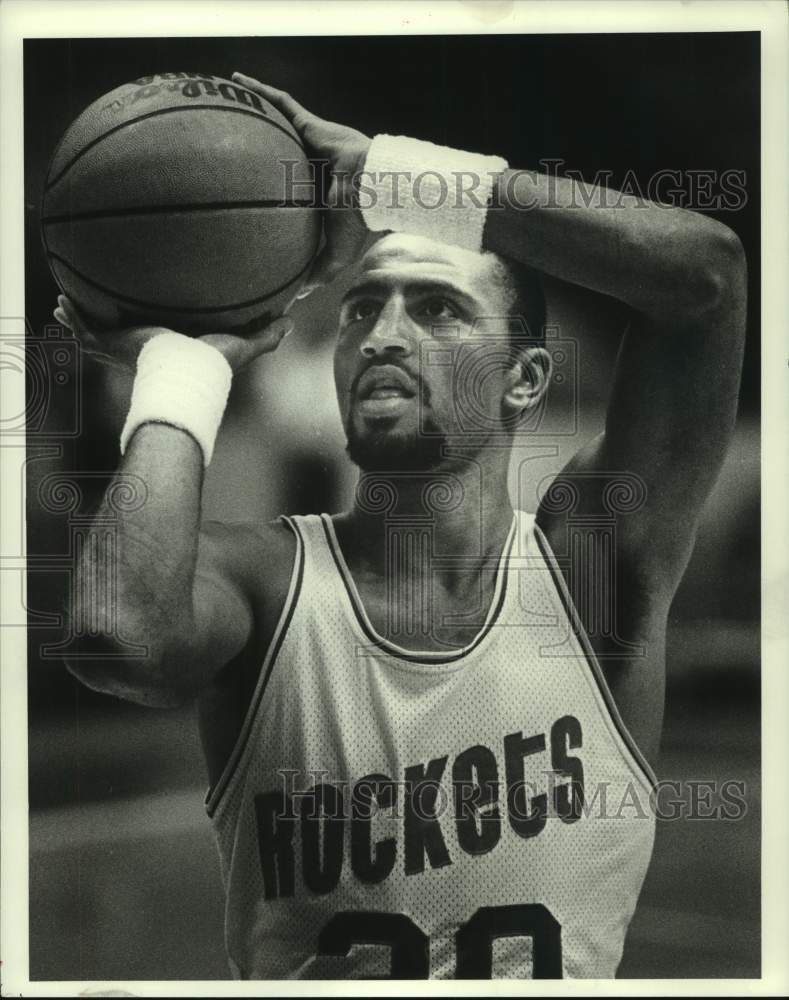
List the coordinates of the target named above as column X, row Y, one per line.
column 124, row 878
column 622, row 103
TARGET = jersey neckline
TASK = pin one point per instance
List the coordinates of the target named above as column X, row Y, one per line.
column 429, row 656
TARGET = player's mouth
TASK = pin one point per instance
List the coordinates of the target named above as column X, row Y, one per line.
column 384, row 390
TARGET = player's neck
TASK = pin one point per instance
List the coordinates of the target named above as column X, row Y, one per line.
column 467, row 511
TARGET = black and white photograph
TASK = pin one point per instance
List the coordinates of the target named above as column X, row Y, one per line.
column 389, row 591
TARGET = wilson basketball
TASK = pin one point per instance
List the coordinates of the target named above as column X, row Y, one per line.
column 180, row 199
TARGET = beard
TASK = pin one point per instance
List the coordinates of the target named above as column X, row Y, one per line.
column 392, row 452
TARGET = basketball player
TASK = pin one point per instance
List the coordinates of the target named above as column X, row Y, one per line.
column 430, row 721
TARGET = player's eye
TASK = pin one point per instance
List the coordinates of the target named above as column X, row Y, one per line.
column 438, row 309
column 362, row 309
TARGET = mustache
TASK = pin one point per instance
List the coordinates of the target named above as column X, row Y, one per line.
column 422, row 388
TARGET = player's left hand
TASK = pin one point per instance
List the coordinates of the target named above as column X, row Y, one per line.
column 119, row 349
column 346, row 150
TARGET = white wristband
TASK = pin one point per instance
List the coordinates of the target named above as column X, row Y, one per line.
column 412, row 186
column 182, row 382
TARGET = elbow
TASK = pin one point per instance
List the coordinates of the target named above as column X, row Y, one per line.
column 137, row 672
column 720, row 273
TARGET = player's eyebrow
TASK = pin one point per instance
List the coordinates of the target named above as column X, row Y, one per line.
column 363, row 288
column 417, row 287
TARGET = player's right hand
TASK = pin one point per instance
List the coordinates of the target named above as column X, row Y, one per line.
column 119, row 348
column 345, row 149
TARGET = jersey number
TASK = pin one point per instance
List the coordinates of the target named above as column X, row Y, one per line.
column 410, row 946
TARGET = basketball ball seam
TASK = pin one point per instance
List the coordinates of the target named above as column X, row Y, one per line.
column 200, row 206
column 166, row 111
column 160, row 307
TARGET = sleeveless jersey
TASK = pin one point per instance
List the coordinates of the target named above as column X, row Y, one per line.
column 475, row 813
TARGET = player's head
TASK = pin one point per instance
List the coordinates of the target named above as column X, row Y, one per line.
column 435, row 344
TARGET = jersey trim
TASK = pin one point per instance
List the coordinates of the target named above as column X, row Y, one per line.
column 214, row 795
column 420, row 656
column 597, row 673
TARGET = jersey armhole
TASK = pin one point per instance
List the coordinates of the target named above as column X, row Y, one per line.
column 579, row 631
column 215, row 793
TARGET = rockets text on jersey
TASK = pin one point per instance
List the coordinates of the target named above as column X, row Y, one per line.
column 466, row 814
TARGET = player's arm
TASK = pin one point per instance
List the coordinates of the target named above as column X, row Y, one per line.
column 674, row 398
column 674, row 395
column 180, row 593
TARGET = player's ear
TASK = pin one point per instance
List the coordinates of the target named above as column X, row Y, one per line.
column 528, row 380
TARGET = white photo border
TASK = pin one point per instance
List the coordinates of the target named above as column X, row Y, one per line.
column 20, row 19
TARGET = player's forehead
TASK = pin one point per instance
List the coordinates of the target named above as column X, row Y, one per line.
column 399, row 258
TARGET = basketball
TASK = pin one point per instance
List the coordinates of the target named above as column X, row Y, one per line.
column 182, row 200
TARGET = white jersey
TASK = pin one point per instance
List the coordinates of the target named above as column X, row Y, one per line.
column 467, row 814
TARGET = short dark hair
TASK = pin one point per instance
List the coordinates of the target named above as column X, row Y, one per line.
column 527, row 305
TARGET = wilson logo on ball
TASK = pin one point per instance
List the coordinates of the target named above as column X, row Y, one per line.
column 188, row 85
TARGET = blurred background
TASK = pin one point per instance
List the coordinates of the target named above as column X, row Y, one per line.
column 124, row 878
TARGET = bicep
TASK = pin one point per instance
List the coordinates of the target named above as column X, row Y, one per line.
column 222, row 616
column 241, row 579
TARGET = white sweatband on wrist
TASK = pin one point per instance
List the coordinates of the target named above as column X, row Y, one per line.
column 182, row 382
column 417, row 187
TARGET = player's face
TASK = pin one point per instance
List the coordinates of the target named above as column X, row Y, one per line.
column 422, row 353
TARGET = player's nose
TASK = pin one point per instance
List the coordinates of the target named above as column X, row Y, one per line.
column 391, row 332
